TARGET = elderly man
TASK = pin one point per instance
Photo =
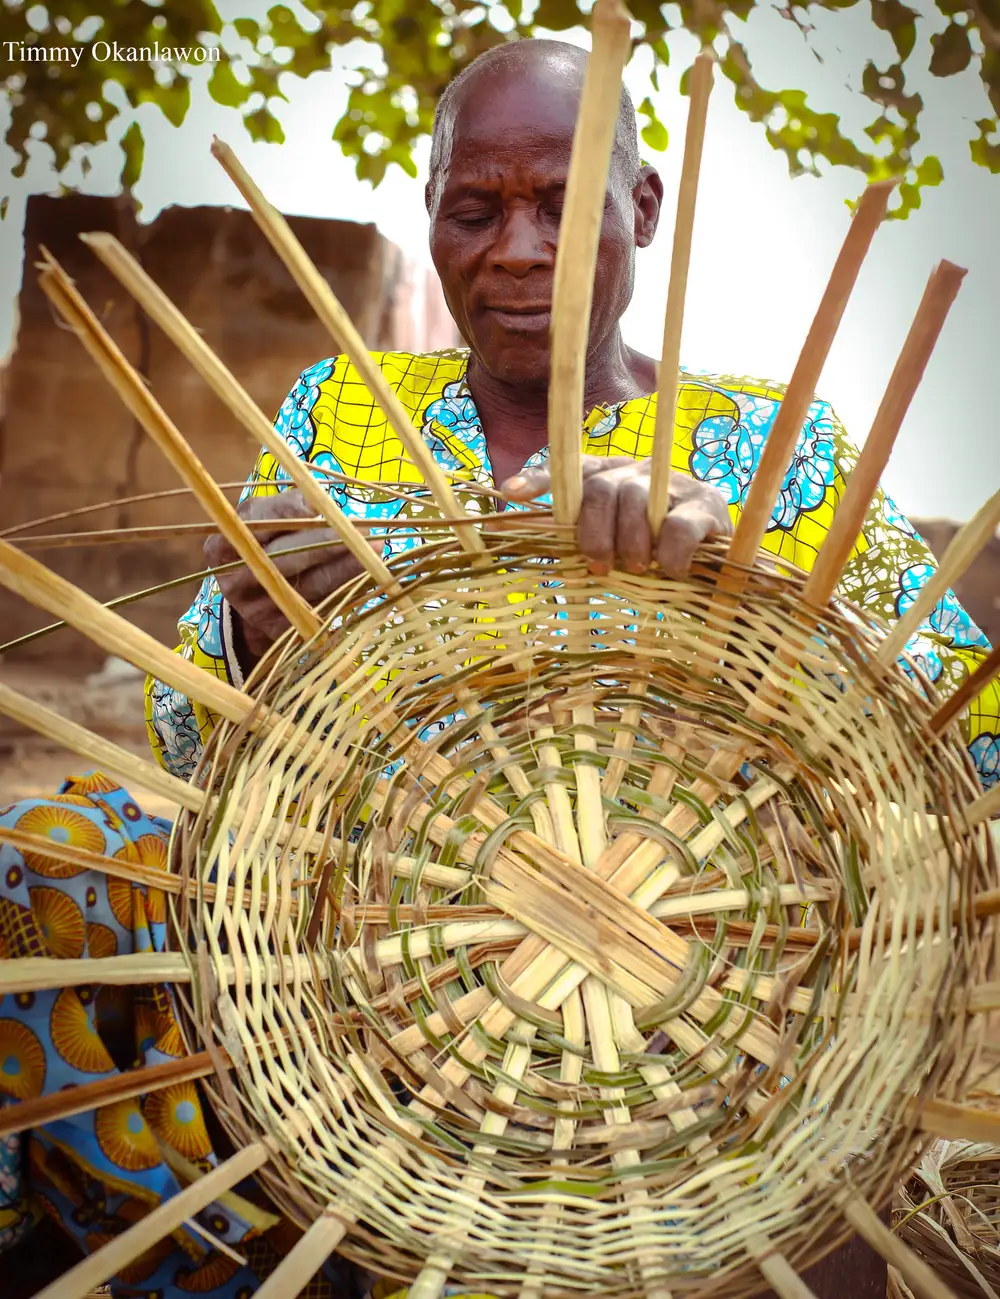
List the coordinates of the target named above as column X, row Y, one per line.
column 501, row 149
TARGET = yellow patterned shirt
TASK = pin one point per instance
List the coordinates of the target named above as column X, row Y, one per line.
column 721, row 426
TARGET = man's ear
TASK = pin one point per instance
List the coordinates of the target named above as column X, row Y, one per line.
column 648, row 198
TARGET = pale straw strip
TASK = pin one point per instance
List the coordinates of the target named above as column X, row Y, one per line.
column 801, row 390
column 986, row 806
column 941, row 291
column 777, row 1271
column 984, row 998
column 108, row 756
column 336, row 320
column 434, row 1275
column 108, row 1261
column 965, row 546
column 47, row 590
column 954, row 1122
column 563, row 1134
column 224, row 384
column 305, row 1258
column 42, row 973
column 133, row 391
column 88, row 1096
column 866, row 1222
column 576, row 257
column 600, row 1006
column 973, row 685
column 673, row 325
column 118, row 867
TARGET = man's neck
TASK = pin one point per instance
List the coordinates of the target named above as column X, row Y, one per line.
column 515, row 417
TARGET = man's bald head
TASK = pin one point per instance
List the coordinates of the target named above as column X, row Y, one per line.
column 533, row 60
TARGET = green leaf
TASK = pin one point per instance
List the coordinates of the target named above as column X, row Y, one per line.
column 248, row 28
column 134, row 148
column 263, row 125
column 985, row 152
column 4, row 202
column 899, row 21
column 655, row 134
column 952, row 51
column 224, row 88
column 930, row 172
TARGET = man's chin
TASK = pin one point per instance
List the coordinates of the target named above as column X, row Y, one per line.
column 522, row 367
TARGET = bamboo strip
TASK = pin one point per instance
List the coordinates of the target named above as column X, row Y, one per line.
column 108, row 756
column 133, row 391
column 973, row 686
column 305, row 1258
column 801, row 389
column 563, row 1131
column 941, row 291
column 106, row 1262
column 88, row 1096
column 223, row 383
column 39, row 973
column 338, row 323
column 777, row 1271
column 151, row 532
column 118, row 867
column 576, row 258
column 965, row 546
column 673, row 325
column 38, row 585
column 953, row 1122
column 985, row 807
column 984, row 998
column 915, row 1271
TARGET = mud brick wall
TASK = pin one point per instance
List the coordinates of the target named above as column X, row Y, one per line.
column 66, row 440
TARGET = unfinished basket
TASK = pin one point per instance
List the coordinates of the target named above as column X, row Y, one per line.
column 539, row 932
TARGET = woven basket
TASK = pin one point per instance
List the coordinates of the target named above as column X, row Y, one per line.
column 544, row 1015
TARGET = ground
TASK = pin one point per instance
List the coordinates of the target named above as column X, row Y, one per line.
column 109, row 702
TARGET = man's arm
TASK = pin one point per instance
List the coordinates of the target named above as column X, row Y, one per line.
column 231, row 624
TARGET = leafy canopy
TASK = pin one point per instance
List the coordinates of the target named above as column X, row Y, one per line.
column 424, row 43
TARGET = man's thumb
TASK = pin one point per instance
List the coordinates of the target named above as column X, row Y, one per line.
column 526, row 485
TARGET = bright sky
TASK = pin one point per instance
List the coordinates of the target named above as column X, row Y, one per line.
column 763, row 248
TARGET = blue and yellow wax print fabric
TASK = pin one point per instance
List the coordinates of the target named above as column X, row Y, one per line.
column 722, row 424
column 96, row 1174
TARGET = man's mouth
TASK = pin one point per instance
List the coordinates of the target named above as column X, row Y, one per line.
column 522, row 319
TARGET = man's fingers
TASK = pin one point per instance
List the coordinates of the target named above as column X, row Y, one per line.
column 526, row 485
column 532, row 483
column 277, row 508
column 683, row 531
column 633, row 536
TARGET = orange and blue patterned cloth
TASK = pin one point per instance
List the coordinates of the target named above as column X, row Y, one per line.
column 97, row 1173
column 721, row 427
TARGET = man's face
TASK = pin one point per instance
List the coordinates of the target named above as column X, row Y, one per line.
column 495, row 212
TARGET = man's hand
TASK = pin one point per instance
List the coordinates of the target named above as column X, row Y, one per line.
column 613, row 528
column 315, row 574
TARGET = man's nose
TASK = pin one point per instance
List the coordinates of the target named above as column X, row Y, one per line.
column 522, row 246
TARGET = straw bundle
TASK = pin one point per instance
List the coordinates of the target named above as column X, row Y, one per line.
column 948, row 1211
column 541, row 932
